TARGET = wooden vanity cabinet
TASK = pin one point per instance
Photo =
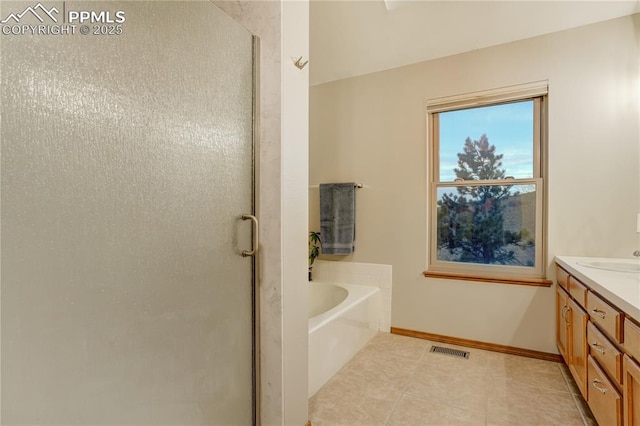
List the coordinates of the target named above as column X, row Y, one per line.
column 601, row 346
column 571, row 328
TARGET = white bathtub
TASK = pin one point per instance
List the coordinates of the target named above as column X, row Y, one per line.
column 342, row 319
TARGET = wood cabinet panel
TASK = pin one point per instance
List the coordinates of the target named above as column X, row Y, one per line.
column 605, row 316
column 604, row 400
column 562, row 323
column 632, row 339
column 631, row 392
column 578, row 349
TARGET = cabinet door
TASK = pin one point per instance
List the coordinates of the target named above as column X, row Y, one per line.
column 578, row 319
column 631, row 393
column 562, row 322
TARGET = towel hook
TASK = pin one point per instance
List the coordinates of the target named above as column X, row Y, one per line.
column 299, row 64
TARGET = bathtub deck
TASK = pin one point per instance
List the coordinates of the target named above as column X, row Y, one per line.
column 395, row 380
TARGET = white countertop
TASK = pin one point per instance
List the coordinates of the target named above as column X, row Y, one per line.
column 620, row 288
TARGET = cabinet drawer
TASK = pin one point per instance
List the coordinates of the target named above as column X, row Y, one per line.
column 608, row 318
column 604, row 400
column 578, row 291
column 604, row 352
column 632, row 339
column 562, row 277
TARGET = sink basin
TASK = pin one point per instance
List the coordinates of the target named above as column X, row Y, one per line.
column 618, row 266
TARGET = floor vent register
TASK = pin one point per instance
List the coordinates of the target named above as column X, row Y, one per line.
column 449, row 351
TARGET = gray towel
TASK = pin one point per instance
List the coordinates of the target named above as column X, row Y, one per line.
column 338, row 217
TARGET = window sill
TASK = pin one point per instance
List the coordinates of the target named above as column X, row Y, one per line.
column 538, row 282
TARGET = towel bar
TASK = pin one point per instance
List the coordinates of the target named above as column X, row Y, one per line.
column 358, row 185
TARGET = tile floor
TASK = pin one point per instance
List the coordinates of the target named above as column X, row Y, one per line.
column 395, row 380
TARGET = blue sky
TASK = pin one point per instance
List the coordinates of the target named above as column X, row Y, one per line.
column 509, row 127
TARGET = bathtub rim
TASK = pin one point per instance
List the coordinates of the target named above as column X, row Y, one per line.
column 357, row 293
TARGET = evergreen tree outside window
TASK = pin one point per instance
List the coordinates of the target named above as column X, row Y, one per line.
column 486, row 189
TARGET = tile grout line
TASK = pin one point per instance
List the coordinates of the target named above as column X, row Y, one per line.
column 393, row 409
column 574, row 397
column 487, row 384
column 580, row 411
column 405, row 387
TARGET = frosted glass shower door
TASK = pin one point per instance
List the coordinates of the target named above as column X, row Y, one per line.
column 126, row 165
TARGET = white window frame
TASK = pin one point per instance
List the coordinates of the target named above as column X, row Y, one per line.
column 537, row 92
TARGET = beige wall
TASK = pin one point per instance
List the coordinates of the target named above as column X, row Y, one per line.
column 372, row 129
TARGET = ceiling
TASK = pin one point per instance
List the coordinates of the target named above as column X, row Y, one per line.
column 350, row 38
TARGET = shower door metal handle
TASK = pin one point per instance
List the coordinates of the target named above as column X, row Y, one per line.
column 252, row 218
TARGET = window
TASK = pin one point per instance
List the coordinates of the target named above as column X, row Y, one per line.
column 486, row 186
